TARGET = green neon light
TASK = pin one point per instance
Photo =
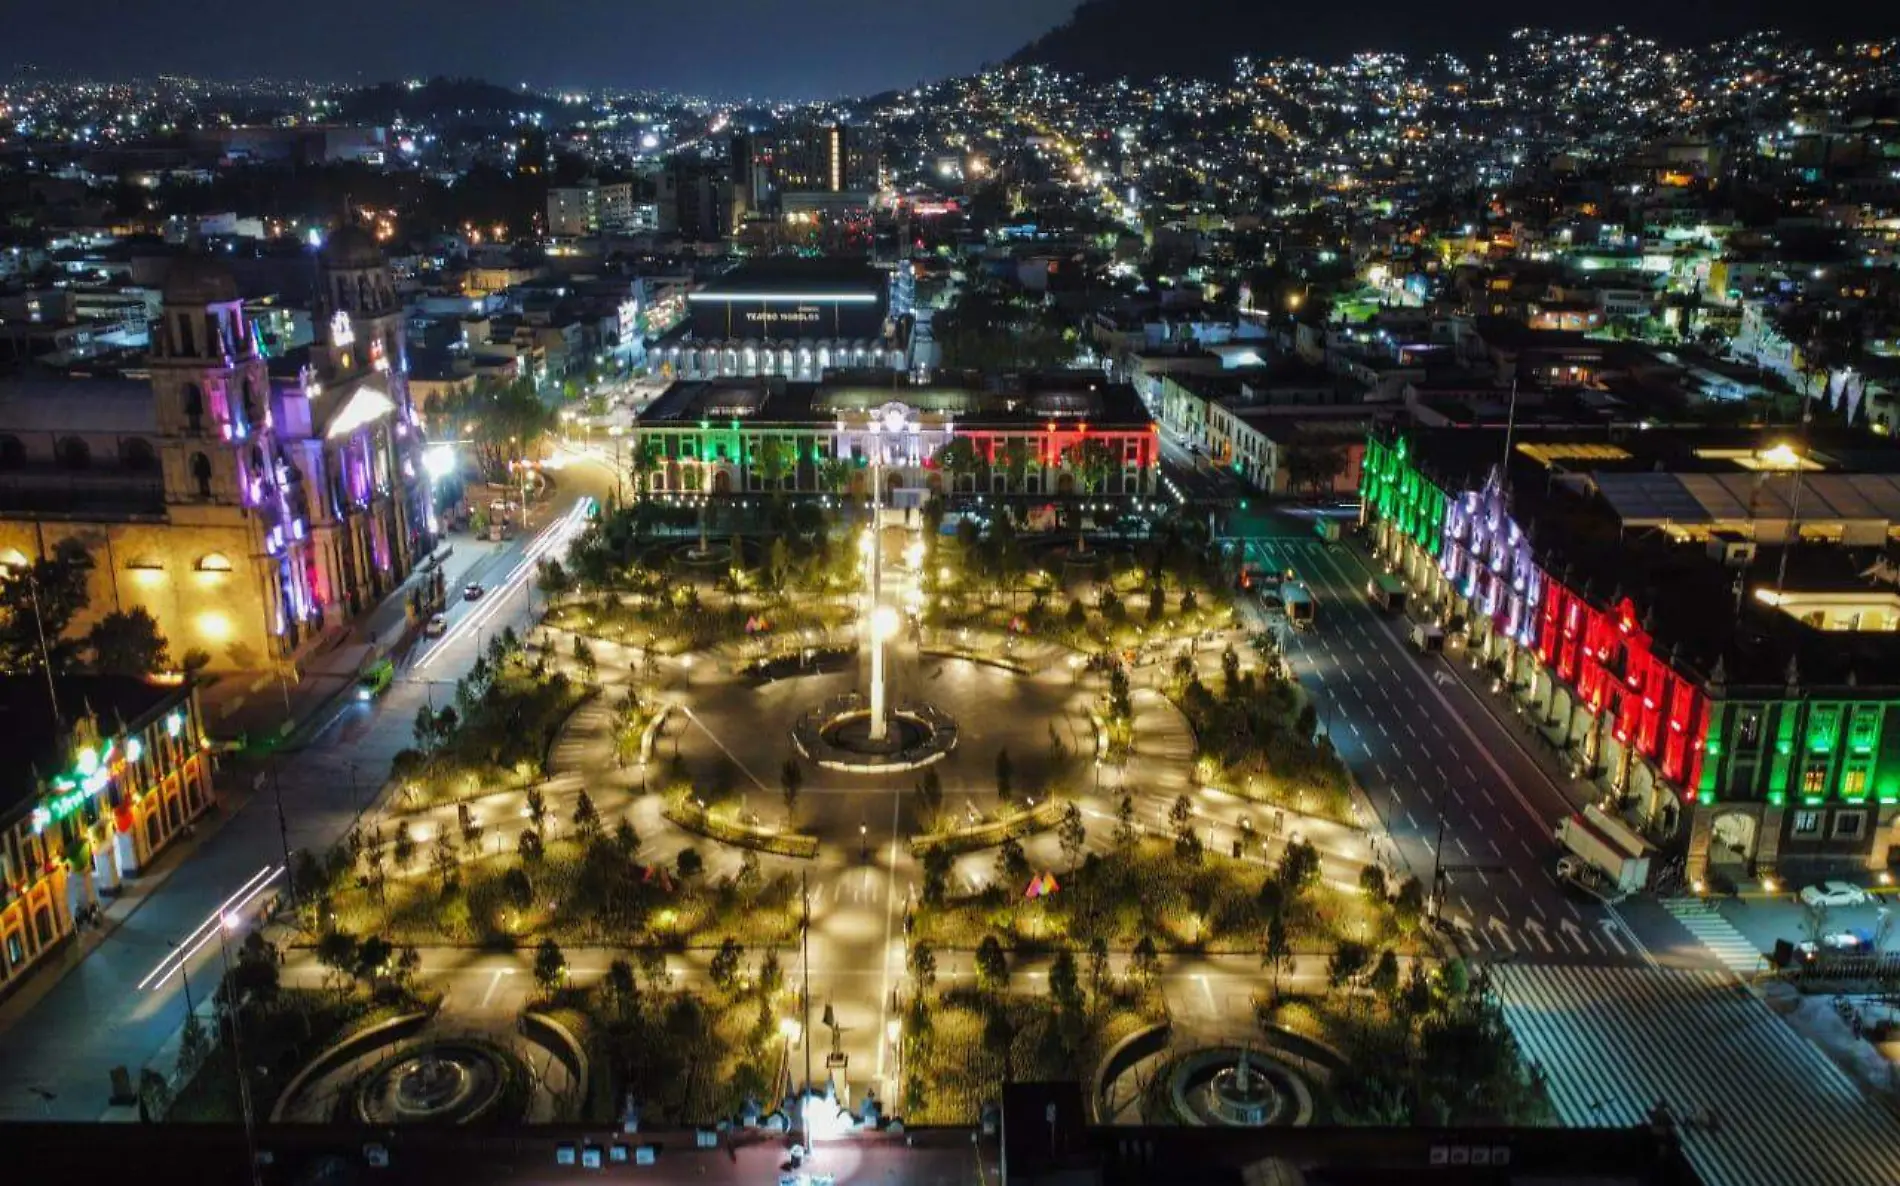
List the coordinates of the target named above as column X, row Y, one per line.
column 1777, row 798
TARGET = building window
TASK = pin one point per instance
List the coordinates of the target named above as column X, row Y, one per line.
column 1848, row 824
column 43, row 925
column 16, row 950
column 1748, row 729
column 1807, row 823
column 1814, row 782
column 135, row 454
column 12, row 452
column 1854, row 784
column 214, row 562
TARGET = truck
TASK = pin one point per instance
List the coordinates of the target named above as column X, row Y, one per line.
column 1428, row 639
column 1299, row 604
column 1386, row 592
column 1327, row 529
column 1603, row 855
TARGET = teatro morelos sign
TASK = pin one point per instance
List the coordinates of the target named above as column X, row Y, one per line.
column 773, row 314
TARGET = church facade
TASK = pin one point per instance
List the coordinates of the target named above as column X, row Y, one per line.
column 246, row 503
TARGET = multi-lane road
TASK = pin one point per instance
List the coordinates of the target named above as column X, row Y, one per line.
column 1430, row 756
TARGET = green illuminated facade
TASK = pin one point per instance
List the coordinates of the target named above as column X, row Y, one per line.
column 1394, row 492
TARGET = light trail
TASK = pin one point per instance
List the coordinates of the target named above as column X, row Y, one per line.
column 555, row 535
column 207, row 930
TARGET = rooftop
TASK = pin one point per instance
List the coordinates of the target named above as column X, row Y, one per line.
column 1688, row 524
column 1062, row 395
column 827, row 277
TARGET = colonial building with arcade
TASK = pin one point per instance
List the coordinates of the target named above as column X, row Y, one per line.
column 247, row 503
column 1705, row 624
column 1064, row 435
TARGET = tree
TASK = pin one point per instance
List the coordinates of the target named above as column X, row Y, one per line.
column 1276, row 955
column 1144, row 962
column 626, row 840
column 1076, row 617
column 922, row 962
column 1348, row 962
column 584, row 659
column 550, row 967
column 958, row 459
column 771, row 975
column 1065, row 984
column 39, row 604
column 623, row 987
column 791, row 779
column 537, row 809
column 1384, row 980
column 442, row 857
column 586, row 818
column 689, row 864
column 336, row 951
column 1408, row 905
column 552, row 579
column 1098, row 964
column 1092, row 461
column 1181, row 818
column 1372, row 882
column 1314, row 468
column 1125, row 822
column 517, row 888
column 530, row 847
column 1072, row 834
column 471, row 831
column 992, row 966
column 937, row 864
column 402, row 849
column 724, row 968
column 375, row 960
column 1299, row 868
column 128, row 643
column 1004, row 771
column 1012, row 864
column 930, row 795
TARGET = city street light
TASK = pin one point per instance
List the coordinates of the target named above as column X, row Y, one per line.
column 228, row 923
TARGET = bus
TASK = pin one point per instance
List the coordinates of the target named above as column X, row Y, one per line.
column 375, row 679
column 1386, row 592
column 1299, row 603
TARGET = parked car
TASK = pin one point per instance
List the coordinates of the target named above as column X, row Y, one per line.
column 1832, row 894
column 473, row 591
column 437, row 627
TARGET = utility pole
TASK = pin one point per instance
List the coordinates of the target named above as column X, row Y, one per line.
column 237, row 1053
column 283, row 829
column 804, row 1098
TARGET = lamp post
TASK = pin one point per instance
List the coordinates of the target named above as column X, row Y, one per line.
column 283, row 828
column 226, row 924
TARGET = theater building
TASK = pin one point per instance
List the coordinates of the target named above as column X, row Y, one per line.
column 1064, row 435
column 88, row 798
column 796, row 319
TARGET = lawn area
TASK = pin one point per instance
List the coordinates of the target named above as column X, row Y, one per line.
column 577, row 892
column 686, row 1058
column 962, row 1048
column 1148, row 890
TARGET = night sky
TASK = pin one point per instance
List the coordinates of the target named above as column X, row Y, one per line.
column 767, row 48
column 798, row 49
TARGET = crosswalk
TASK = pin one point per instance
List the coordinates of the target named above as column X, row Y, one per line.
column 1730, row 947
column 1765, row 1107
column 583, row 735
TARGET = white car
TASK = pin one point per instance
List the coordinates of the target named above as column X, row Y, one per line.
column 1833, row 893
column 437, row 627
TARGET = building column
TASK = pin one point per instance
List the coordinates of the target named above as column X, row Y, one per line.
column 1768, row 837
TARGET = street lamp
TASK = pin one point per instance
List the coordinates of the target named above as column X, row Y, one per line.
column 228, row 923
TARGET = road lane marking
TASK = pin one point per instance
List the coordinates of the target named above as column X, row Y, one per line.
column 494, row 982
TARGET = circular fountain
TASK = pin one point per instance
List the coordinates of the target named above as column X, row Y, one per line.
column 439, row 1083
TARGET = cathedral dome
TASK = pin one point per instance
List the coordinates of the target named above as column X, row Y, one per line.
column 351, row 248
column 199, row 280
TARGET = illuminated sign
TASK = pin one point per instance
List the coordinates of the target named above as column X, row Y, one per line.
column 95, row 770
column 342, row 333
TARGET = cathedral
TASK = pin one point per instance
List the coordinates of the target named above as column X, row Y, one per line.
column 248, row 503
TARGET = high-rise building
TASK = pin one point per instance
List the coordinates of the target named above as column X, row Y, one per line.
column 590, row 208
column 807, row 157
